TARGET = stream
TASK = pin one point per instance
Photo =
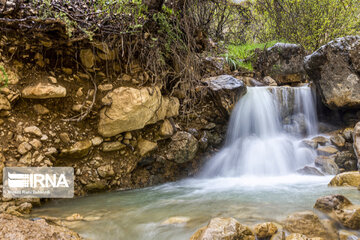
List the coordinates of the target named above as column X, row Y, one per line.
column 253, row 178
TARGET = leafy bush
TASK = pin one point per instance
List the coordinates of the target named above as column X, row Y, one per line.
column 310, row 23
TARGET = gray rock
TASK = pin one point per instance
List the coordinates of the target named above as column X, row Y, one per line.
column 327, row 165
column 283, row 62
column 224, row 82
column 309, row 171
column 336, row 78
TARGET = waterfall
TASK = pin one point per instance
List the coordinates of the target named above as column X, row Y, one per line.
column 264, row 134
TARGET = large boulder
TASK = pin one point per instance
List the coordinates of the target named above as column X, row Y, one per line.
column 183, row 148
column 43, row 91
column 335, row 70
column 327, row 165
column 283, row 62
column 340, row 209
column 346, row 179
column 223, row 229
column 356, row 141
column 130, row 109
column 309, row 224
column 12, row 227
column 225, row 91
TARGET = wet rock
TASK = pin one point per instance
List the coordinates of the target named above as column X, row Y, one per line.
column 356, row 140
column 87, row 58
column 327, row 150
column 348, row 133
column 112, row 146
column 12, row 227
column 283, row 62
column 310, row 143
column 24, row 148
column 166, row 129
column 346, row 179
column 346, row 235
column 331, row 70
column 223, row 229
column 4, row 103
column 40, row 109
column 33, row 130
column 78, row 150
column 309, row 171
column 130, row 109
column 225, row 90
column 74, row 217
column 265, row 230
column 183, row 147
column 338, row 140
column 346, row 160
column 176, row 221
column 146, row 146
column 340, row 209
column 327, row 165
column 44, row 91
column 307, row 223
column 320, row 140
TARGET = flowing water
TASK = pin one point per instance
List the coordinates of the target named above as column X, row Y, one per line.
column 252, row 178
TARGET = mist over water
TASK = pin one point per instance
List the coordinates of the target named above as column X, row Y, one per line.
column 264, row 134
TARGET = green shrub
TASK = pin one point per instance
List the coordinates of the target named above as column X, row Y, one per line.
column 310, row 23
column 239, row 55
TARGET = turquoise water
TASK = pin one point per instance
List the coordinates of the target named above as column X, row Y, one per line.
column 139, row 214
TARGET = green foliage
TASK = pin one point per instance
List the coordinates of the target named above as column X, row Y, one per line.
column 310, row 23
column 168, row 28
column 3, row 77
column 221, row 19
column 239, row 55
column 130, row 12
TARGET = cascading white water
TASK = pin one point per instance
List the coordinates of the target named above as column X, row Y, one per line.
column 264, row 134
